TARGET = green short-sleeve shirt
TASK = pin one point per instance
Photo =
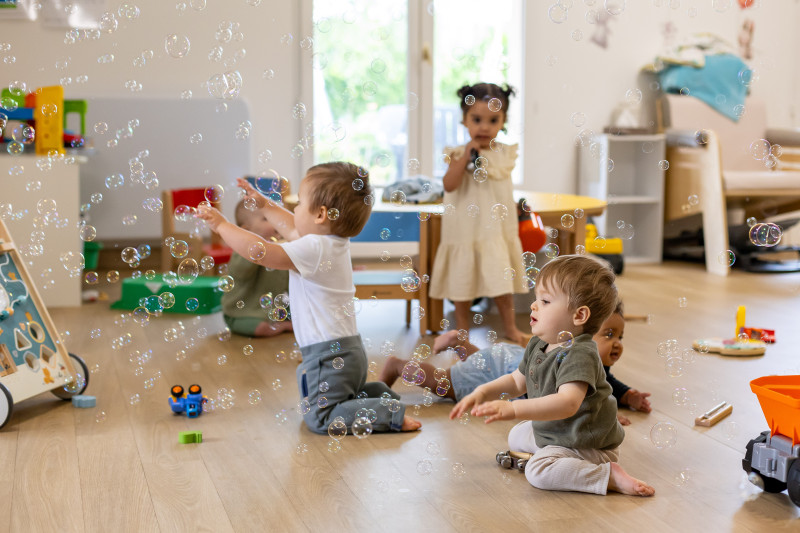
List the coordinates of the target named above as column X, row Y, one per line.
column 595, row 424
column 250, row 282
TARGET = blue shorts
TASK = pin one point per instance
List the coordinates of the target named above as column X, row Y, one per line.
column 484, row 366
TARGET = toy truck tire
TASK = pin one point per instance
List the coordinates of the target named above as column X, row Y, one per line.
column 80, row 367
column 6, row 405
column 793, row 482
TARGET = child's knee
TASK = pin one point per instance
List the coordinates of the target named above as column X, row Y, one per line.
column 538, row 474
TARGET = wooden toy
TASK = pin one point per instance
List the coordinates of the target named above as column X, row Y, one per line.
column 32, row 358
column 741, row 344
column 772, row 460
column 729, row 347
column 714, row 415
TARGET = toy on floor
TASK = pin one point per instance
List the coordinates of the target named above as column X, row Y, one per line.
column 83, row 401
column 515, row 460
column 190, row 403
column 742, row 344
column 190, row 437
column 773, row 458
column 531, row 229
column 714, row 415
column 32, row 357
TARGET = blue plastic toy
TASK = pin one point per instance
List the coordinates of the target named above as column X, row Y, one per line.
column 190, row 403
column 84, row 401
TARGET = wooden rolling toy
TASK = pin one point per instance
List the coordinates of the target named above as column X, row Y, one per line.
column 32, row 358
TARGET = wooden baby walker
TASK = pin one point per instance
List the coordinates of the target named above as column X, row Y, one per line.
column 32, row 359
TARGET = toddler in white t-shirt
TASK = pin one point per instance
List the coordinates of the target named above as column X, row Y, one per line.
column 333, row 205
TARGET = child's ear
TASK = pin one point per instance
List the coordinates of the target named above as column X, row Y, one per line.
column 321, row 216
column 581, row 315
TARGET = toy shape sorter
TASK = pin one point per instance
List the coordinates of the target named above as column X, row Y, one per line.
column 32, row 358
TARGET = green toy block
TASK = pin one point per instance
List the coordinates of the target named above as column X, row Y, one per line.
column 189, row 437
column 204, row 289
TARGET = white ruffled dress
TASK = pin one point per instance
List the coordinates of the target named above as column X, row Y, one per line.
column 480, row 253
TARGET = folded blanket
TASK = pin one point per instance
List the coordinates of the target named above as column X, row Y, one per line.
column 418, row 190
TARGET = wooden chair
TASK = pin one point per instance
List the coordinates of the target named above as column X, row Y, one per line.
column 197, row 247
column 711, row 157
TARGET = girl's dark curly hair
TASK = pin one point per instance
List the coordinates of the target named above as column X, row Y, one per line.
column 485, row 92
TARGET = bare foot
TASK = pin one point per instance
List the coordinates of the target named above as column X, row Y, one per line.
column 391, row 370
column 409, row 424
column 621, row 481
column 446, row 340
column 518, row 337
column 623, row 420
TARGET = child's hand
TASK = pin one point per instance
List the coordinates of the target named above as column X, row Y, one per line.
column 638, row 400
column 211, row 215
column 466, row 404
column 251, row 192
column 496, row 410
column 472, row 145
column 624, row 420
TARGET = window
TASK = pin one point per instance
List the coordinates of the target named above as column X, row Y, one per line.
column 388, row 101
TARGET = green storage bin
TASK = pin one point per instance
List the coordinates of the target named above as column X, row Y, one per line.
column 204, row 288
column 91, row 254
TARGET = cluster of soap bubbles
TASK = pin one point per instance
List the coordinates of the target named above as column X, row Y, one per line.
column 676, row 359
column 763, row 151
column 765, row 234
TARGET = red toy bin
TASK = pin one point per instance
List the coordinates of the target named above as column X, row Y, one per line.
column 779, row 397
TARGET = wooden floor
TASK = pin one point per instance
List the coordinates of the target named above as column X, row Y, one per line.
column 119, row 467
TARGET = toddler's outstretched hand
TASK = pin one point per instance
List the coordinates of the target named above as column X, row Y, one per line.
column 211, row 215
column 466, row 404
column 251, row 192
column 623, row 420
column 496, row 410
column 638, row 400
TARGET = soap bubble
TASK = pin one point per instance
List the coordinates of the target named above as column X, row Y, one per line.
column 338, row 363
column 177, row 46
column 565, row 338
column 362, row 427
column 726, row 258
column 663, row 435
column 214, row 193
column 424, row 467
column 337, row 429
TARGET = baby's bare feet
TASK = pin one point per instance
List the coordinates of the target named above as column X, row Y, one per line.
column 446, row 340
column 621, row 481
column 410, row 424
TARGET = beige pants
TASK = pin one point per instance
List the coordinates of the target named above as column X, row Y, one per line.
column 560, row 468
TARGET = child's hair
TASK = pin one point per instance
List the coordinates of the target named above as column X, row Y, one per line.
column 618, row 310
column 585, row 281
column 485, row 92
column 242, row 214
column 334, row 186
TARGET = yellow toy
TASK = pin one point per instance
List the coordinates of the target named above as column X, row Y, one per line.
column 740, row 345
column 49, row 116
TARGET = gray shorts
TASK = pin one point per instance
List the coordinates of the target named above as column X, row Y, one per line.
column 484, row 366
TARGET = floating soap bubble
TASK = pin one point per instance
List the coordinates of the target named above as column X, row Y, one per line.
column 424, row 467
column 225, row 284
column 674, row 367
column 177, row 46
column 680, row 396
column 188, row 270
column 179, row 249
column 338, row 363
column 130, row 255
column 663, row 164
column 551, row 250
column 726, row 258
column 254, row 397
column 663, row 435
column 337, row 429
column 565, row 338
column 257, row 251
column 567, row 221
column 362, row 427
column 192, row 304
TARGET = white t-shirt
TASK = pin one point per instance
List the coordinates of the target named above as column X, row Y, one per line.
column 322, row 288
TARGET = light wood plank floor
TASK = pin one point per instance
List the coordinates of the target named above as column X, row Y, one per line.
column 119, row 467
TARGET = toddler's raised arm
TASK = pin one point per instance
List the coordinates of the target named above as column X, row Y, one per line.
column 277, row 215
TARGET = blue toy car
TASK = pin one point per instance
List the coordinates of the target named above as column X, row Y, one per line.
column 190, row 403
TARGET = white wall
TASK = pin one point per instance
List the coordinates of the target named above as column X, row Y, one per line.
column 579, row 76
column 584, row 77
